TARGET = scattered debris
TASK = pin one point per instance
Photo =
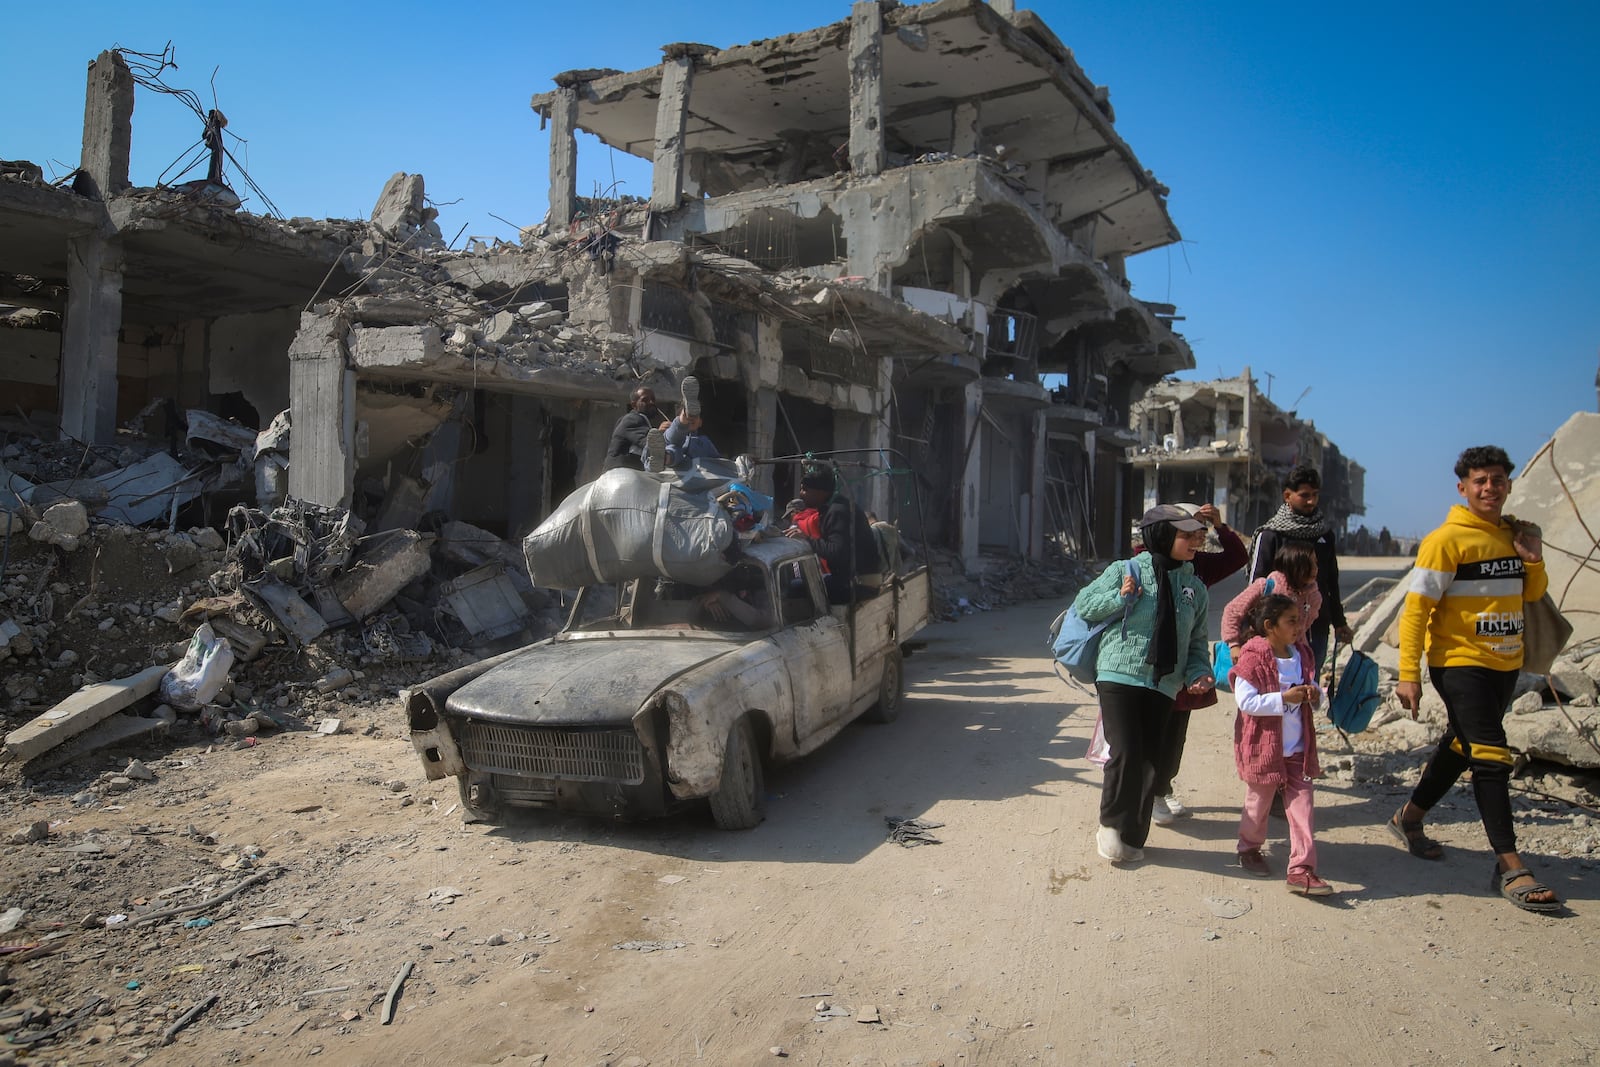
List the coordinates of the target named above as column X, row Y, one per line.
column 912, row 832
column 648, row 946
column 393, row 996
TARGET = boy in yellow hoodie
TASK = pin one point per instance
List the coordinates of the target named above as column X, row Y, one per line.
column 1465, row 609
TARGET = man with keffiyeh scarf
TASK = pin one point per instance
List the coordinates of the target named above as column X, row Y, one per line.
column 1155, row 645
column 1300, row 518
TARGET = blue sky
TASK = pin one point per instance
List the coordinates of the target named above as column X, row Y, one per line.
column 1394, row 206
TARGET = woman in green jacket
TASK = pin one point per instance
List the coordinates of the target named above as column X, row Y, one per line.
column 1142, row 664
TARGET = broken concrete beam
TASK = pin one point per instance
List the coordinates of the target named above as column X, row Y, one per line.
column 114, row 730
column 395, row 346
column 298, row 619
column 63, row 525
column 247, row 641
column 204, row 426
column 90, row 705
column 399, row 558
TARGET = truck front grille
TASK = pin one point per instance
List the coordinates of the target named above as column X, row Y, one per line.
column 608, row 755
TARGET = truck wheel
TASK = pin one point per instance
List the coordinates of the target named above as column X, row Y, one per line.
column 890, row 691
column 477, row 801
column 740, row 801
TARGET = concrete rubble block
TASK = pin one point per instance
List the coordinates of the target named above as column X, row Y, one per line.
column 69, row 517
column 390, row 309
column 398, row 559
column 1375, row 625
column 1548, row 735
column 246, row 640
column 1571, row 682
column 401, row 208
column 395, row 346
column 1527, row 703
column 297, row 618
column 1408, row 734
column 500, row 327
column 87, row 707
column 1559, row 488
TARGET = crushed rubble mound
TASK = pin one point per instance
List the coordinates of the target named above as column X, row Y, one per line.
column 110, row 630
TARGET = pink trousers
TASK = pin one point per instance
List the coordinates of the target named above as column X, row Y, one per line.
column 1299, row 804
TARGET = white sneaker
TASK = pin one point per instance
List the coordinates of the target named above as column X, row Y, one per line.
column 1168, row 810
column 1109, row 844
column 690, row 390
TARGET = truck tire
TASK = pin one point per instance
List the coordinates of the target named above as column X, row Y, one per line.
column 891, row 689
column 482, row 809
column 740, row 800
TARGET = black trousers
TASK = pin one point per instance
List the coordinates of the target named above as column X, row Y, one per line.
column 1475, row 699
column 1135, row 722
column 1171, row 755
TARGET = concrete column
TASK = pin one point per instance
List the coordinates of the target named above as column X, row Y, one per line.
column 965, row 123
column 528, row 487
column 1152, row 489
column 1036, row 491
column 672, row 112
column 322, row 396
column 593, row 438
column 107, row 128
column 866, row 88
column 882, row 499
column 762, row 403
column 89, row 339
column 563, row 157
column 1219, row 490
column 971, row 473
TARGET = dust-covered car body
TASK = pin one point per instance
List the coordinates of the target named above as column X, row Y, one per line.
column 653, row 704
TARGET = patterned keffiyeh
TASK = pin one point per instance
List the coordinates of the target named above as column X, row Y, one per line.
column 1291, row 523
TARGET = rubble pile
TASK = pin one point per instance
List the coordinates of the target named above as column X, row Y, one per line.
column 111, row 630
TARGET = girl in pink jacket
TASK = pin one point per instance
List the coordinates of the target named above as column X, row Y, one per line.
column 1275, row 741
column 1294, row 574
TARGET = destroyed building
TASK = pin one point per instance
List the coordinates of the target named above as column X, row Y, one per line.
column 1224, row 442
column 886, row 234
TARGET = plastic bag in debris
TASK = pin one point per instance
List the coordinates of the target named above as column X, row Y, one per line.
column 198, row 676
column 630, row 524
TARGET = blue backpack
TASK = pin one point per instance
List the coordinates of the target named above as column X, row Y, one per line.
column 1075, row 644
column 1353, row 694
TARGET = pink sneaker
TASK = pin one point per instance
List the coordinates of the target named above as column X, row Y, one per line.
column 1307, row 884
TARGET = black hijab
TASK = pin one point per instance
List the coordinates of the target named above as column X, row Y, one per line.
column 1163, row 652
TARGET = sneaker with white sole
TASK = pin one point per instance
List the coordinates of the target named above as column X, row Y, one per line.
column 691, row 396
column 1168, row 810
column 655, row 451
column 1109, row 844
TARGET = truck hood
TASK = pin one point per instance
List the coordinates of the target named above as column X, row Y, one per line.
column 586, row 682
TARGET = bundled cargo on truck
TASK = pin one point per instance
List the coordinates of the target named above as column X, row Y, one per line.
column 633, row 524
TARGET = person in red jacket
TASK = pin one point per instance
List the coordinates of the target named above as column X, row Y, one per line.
column 1210, row 568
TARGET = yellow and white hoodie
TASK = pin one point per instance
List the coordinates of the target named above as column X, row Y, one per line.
column 1467, row 592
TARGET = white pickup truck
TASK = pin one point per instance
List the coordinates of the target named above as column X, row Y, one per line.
column 656, row 703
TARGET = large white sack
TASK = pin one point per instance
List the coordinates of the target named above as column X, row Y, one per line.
column 630, row 524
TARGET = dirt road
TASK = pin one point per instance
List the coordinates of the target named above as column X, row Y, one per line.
column 1009, row 943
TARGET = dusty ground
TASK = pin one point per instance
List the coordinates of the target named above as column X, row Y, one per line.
column 1010, row 942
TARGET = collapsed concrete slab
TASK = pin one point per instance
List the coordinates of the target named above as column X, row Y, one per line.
column 374, row 579
column 1559, row 488
column 83, row 709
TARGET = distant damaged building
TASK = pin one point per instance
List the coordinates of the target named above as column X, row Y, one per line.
column 1225, row 442
column 902, row 235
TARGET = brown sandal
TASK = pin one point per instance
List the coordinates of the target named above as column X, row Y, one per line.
column 1411, row 835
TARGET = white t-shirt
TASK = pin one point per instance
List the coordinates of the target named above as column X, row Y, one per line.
column 1253, row 703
